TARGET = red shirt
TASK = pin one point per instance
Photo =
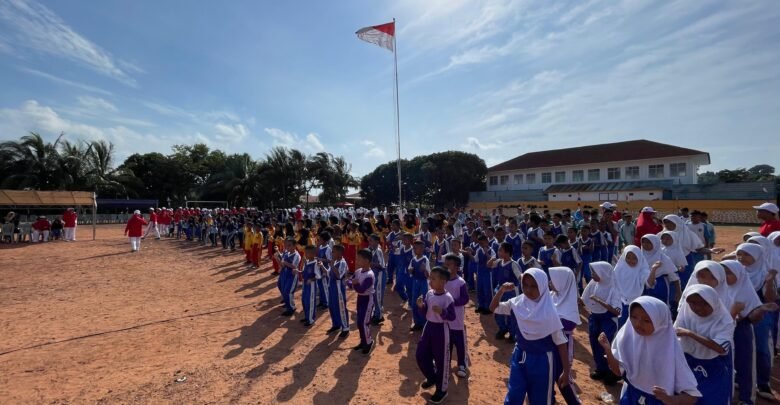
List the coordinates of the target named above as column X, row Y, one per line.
column 41, row 225
column 135, row 226
column 769, row 227
column 152, row 217
column 69, row 218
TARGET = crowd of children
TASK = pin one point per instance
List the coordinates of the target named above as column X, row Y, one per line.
column 673, row 325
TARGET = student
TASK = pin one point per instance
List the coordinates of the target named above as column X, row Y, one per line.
column 472, row 264
column 535, row 233
column 667, row 282
column 598, row 241
column 585, row 243
column 507, row 271
column 649, row 356
column 540, row 357
column 456, row 249
column 564, row 294
column 672, row 250
column 632, row 275
column 437, row 307
column 484, row 275
column 458, row 288
column 325, row 257
column 337, row 300
column 515, row 239
column 289, row 261
column 627, row 231
column 393, row 241
column 310, row 274
column 549, row 255
column 362, row 282
column 380, row 276
column 248, row 242
column 603, row 302
column 569, row 256
column 403, row 283
column 705, row 329
column 527, row 261
column 689, row 243
column 419, row 270
column 557, row 227
column 712, row 274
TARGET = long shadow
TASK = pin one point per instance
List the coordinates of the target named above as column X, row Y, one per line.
column 304, row 372
column 276, row 353
column 237, row 275
column 253, row 335
column 254, row 284
column 105, row 255
column 262, row 290
column 407, row 366
column 347, row 377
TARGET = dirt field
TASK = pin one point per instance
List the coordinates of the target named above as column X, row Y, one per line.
column 91, row 322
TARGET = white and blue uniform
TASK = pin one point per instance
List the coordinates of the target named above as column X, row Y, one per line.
column 600, row 320
column 337, row 300
column 393, row 240
column 516, row 241
column 419, row 270
column 325, row 254
column 380, row 281
column 433, row 350
column 507, row 272
column 403, row 283
column 289, row 279
column 310, row 275
column 546, row 256
column 484, row 277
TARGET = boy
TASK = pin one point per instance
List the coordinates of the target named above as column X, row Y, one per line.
column 457, row 287
column 363, row 283
column 586, row 254
column 419, row 269
column 324, row 257
column 426, row 237
column 456, row 249
column 289, row 262
column 627, row 231
column 337, row 300
column 484, row 275
column 393, row 240
column 515, row 239
column 598, row 241
column 380, row 275
column 535, row 233
column 549, row 255
column 403, row 285
column 439, row 247
column 568, row 255
column 507, row 271
column 433, row 350
column 527, row 260
column 557, row 227
column 310, row 274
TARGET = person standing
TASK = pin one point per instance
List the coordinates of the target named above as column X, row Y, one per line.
column 767, row 212
column 70, row 218
column 134, row 229
column 152, row 224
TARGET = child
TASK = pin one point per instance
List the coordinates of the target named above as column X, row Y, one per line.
column 603, row 303
column 419, row 269
column 598, row 241
column 472, row 265
column 705, row 330
column 484, row 275
column 569, row 256
column 627, row 231
column 324, row 257
column 549, row 255
column 585, row 244
column 632, row 275
column 455, row 247
column 289, row 262
column 648, row 353
column 257, row 245
column 689, row 242
column 515, row 239
column 439, row 247
column 310, row 274
column 427, row 238
column 535, row 233
column 362, row 282
column 457, row 287
column 433, row 350
column 672, row 249
column 337, row 300
column 540, row 357
column 380, row 276
column 667, row 282
column 527, row 261
column 557, row 227
column 507, row 271
column 564, row 296
column 393, row 241
column 403, row 283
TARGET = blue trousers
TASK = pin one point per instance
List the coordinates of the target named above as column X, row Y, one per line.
column 764, row 351
column 433, row 354
column 596, row 255
column 504, row 322
column 532, row 376
column 289, row 284
column 419, row 289
column 744, row 360
column 365, row 305
column 632, row 396
column 337, row 304
column 713, row 378
column 380, row 283
column 661, row 289
column 585, row 273
column 471, row 272
column 322, row 291
column 484, row 288
column 308, row 297
column 391, row 267
column 598, row 323
column 402, row 283
column 623, row 316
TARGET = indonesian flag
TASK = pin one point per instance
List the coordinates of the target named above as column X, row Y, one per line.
column 381, row 35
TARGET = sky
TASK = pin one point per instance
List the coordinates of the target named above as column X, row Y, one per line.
column 498, row 78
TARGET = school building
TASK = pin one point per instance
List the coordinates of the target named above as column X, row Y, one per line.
column 632, row 174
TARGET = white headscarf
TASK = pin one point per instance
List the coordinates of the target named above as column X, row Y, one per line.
column 688, row 240
column 536, row 319
column 657, row 255
column 655, row 360
column 768, row 245
column 750, row 235
column 742, row 291
column 565, row 296
column 775, row 254
column 756, row 271
column 719, row 326
column 604, row 289
column 674, row 251
column 717, row 272
column 630, row 281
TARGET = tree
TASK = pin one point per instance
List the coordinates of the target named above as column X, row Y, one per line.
column 237, row 180
column 32, row 163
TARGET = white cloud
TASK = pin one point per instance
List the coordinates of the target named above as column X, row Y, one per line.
column 38, row 28
column 57, row 79
column 372, row 150
column 310, row 144
column 231, row 132
column 314, row 140
column 96, row 103
column 474, row 143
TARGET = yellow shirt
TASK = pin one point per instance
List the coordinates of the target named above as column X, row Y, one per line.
column 248, row 239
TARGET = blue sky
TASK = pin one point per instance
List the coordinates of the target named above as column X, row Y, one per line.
column 497, row 78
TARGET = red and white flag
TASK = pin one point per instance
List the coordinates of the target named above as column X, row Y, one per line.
column 381, row 35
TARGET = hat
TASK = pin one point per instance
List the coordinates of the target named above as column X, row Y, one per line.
column 648, row 209
column 137, row 212
column 767, row 207
column 607, row 205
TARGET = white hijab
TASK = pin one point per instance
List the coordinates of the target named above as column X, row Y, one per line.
column 750, row 235
column 657, row 255
column 742, row 291
column 675, row 251
column 775, row 254
column 718, row 326
column 689, row 241
column 630, row 281
column 756, row 271
column 769, row 248
column 655, row 360
column 717, row 272
column 536, row 319
column 565, row 295
column 603, row 289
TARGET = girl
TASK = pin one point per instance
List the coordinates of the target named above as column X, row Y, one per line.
column 649, row 356
column 710, row 273
column 667, row 282
column 632, row 275
column 563, row 286
column 604, row 304
column 689, row 242
column 672, row 249
column 705, row 329
column 540, row 356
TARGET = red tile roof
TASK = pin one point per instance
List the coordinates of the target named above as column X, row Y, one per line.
column 608, row 152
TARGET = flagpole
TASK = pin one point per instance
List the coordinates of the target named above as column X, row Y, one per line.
column 397, row 118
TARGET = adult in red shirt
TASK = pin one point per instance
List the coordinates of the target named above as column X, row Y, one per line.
column 134, row 229
column 767, row 212
column 41, row 227
column 152, row 224
column 646, row 225
column 69, row 218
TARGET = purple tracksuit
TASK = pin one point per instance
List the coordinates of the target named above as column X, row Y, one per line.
column 433, row 351
column 460, row 293
column 363, row 284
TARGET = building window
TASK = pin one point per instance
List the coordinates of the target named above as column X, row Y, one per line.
column 613, row 173
column 530, row 178
column 594, row 174
column 518, row 179
column 656, row 171
column 504, row 180
column 632, row 172
column 560, row 177
column 677, row 170
column 546, row 178
column 493, row 180
column 578, row 176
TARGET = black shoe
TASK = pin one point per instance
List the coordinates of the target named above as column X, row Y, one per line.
column 610, row 379
column 343, row 334
column 415, row 328
column 438, row 397
column 486, row 312
column 501, row 334
column 358, row 347
column 597, row 375
column 478, row 310
column 308, row 324
column 367, row 348
column 427, row 384
column 511, row 339
column 288, row 313
column 331, row 330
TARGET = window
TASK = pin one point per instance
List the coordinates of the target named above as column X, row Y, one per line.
column 546, row 177
column 594, row 174
column 530, row 178
column 632, row 172
column 677, row 170
column 493, row 180
column 560, row 177
column 578, row 176
column 608, row 197
column 656, row 171
column 504, row 180
column 518, row 179
column 613, row 173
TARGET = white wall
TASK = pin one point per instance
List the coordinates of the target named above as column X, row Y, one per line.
column 612, row 196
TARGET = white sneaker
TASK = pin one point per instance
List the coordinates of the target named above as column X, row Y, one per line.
column 462, row 372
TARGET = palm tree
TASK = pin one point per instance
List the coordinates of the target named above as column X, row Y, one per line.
column 33, row 163
column 101, row 176
column 238, row 179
